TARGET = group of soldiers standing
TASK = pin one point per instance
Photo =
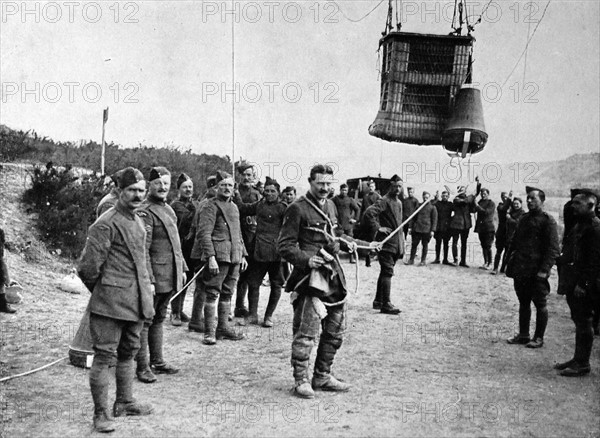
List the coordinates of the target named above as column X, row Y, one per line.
column 141, row 251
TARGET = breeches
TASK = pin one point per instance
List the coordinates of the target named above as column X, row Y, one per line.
column 258, row 270
column 223, row 283
column 532, row 289
column 387, row 261
column 114, row 338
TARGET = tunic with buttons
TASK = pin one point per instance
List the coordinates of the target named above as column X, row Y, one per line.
column 269, row 219
column 163, row 245
column 114, row 267
column 298, row 243
column 219, row 233
column 534, row 247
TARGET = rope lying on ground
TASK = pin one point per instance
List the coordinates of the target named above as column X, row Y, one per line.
column 26, row 373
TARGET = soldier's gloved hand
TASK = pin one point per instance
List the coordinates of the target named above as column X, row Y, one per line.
column 579, row 292
column 333, row 247
column 385, row 230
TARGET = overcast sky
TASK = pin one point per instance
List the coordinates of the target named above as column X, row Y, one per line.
column 307, row 78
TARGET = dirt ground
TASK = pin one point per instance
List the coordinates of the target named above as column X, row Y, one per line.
column 440, row 368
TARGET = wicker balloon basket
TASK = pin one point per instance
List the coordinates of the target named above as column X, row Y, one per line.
column 420, row 75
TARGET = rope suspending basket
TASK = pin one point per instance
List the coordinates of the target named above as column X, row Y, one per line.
column 420, row 76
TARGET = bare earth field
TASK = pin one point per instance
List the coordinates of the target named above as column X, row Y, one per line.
column 440, row 368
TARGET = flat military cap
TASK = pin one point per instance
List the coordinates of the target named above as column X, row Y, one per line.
column 157, row 172
column 395, row 178
column 129, row 176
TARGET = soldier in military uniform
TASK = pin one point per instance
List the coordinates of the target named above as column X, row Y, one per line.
column 422, row 227
column 288, row 195
column 317, row 283
column 369, row 198
column 185, row 209
column 503, row 207
column 532, row 254
column 348, row 211
column 249, row 194
column 442, row 232
column 111, row 198
column 460, row 224
column 269, row 212
column 579, row 271
column 381, row 219
column 114, row 267
column 197, row 318
column 221, row 246
column 484, row 226
column 409, row 205
column 4, row 278
column 167, row 268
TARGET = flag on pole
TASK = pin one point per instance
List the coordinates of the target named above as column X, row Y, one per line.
column 105, row 115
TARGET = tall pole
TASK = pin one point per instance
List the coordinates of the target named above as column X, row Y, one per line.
column 104, row 120
column 233, row 84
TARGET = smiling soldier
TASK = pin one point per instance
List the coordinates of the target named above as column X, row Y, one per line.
column 166, row 271
column 114, row 268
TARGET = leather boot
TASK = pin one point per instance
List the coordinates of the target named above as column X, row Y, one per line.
column 4, row 306
column 386, row 305
column 240, row 302
column 583, row 346
column 155, row 345
column 326, row 382
column 197, row 320
column 377, row 301
column 182, row 315
column 580, row 365
column 99, row 388
column 224, row 330
column 524, row 319
column 125, row 404
column 210, row 324
column 541, row 321
column 143, row 371
column 253, row 298
column 271, row 306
